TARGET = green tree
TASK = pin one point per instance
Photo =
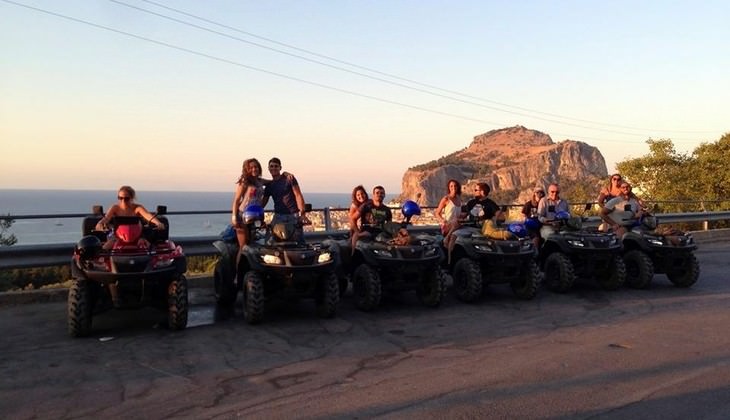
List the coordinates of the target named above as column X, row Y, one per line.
column 5, row 238
column 711, row 174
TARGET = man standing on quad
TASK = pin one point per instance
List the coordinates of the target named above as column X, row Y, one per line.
column 372, row 212
column 288, row 199
column 615, row 212
column 548, row 208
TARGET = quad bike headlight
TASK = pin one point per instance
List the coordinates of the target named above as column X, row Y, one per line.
column 655, row 241
column 271, row 259
column 164, row 262
column 430, row 252
column 484, row 248
column 324, row 257
column 383, row 253
column 576, row 243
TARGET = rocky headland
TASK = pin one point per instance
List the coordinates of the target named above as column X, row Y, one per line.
column 512, row 161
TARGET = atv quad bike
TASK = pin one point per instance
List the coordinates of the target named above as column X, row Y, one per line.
column 478, row 260
column 573, row 252
column 392, row 259
column 132, row 266
column 274, row 265
column 649, row 250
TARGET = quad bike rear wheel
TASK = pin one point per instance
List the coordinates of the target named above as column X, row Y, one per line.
column 177, row 303
column 525, row 286
column 432, row 287
column 615, row 276
column 688, row 274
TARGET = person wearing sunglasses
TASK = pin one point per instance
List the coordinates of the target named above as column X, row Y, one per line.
column 548, row 208
column 529, row 210
column 126, row 206
column 613, row 189
column 622, row 210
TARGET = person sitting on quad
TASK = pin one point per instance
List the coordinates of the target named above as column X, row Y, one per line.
column 372, row 213
column 288, row 199
column 615, row 213
column 529, row 211
column 548, row 208
column 249, row 190
column 359, row 197
column 127, row 207
column 448, row 212
column 610, row 191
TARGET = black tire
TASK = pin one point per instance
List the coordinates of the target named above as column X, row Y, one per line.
column 688, row 274
column 254, row 297
column 366, row 287
column 432, row 287
column 468, row 282
column 639, row 269
column 525, row 286
column 177, row 303
column 615, row 277
column 344, row 283
column 559, row 273
column 79, row 309
column 225, row 289
column 328, row 295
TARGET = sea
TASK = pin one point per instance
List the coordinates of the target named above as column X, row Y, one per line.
column 58, row 204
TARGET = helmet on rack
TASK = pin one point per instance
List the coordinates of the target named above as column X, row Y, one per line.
column 517, row 229
column 253, row 213
column 88, row 247
column 562, row 215
column 410, row 208
column 532, row 223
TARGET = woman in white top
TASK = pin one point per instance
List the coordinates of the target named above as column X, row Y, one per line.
column 448, row 213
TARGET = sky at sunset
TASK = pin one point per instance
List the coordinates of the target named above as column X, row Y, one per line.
column 175, row 94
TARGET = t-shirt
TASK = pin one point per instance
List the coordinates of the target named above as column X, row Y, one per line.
column 527, row 208
column 375, row 214
column 543, row 208
column 282, row 191
column 488, row 205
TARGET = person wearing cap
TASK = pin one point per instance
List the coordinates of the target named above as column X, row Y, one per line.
column 529, row 210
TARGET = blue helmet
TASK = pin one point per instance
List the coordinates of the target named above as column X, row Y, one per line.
column 229, row 233
column 410, row 208
column 253, row 213
column 517, row 229
column 562, row 215
column 532, row 223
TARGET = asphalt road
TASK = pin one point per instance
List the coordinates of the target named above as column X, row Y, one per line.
column 657, row 353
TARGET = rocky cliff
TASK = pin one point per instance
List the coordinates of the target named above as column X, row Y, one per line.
column 512, row 161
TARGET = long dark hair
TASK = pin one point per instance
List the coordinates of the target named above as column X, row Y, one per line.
column 458, row 186
column 246, row 171
column 354, row 194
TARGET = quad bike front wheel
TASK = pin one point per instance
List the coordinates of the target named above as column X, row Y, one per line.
column 366, row 287
column 432, row 287
column 254, row 297
column 559, row 272
column 468, row 282
column 328, row 295
column 639, row 269
column 177, row 303
column 79, row 309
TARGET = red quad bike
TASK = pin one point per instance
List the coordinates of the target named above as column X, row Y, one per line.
column 130, row 267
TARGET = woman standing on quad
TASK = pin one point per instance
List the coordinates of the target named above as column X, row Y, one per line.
column 249, row 190
column 359, row 197
column 448, row 213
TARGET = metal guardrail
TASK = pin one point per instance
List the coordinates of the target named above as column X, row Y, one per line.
column 28, row 256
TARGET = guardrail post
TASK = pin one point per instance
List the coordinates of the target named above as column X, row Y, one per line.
column 327, row 220
column 705, row 223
